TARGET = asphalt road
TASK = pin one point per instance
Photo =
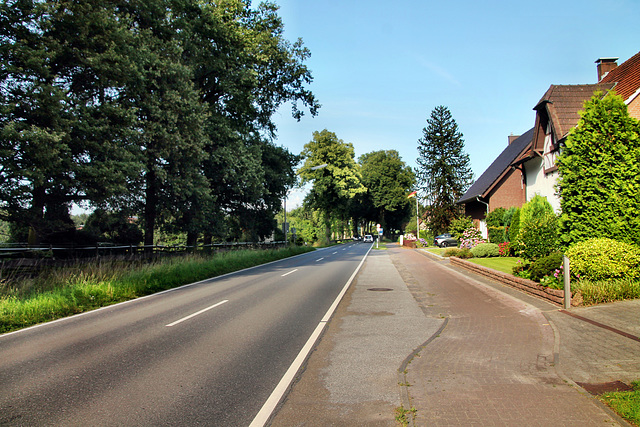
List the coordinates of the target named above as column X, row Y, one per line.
column 210, row 353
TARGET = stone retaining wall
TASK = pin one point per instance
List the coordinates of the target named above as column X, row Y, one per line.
column 556, row 296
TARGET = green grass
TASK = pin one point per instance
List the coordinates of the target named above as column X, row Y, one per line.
column 598, row 292
column 504, row 264
column 66, row 292
column 625, row 403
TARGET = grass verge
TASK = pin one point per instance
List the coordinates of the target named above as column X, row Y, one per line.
column 598, row 292
column 77, row 291
column 504, row 264
column 625, row 403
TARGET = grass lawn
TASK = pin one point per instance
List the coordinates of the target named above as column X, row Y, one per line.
column 504, row 264
column 625, row 403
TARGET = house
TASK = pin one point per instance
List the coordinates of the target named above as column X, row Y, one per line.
column 501, row 185
column 557, row 113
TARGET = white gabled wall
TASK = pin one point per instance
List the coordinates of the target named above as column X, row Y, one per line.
column 540, row 183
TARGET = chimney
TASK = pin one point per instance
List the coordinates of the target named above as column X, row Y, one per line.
column 605, row 65
column 512, row 138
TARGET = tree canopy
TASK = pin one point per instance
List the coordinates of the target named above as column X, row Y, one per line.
column 388, row 180
column 161, row 108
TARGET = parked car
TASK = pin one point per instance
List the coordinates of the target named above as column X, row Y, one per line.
column 368, row 238
column 445, row 240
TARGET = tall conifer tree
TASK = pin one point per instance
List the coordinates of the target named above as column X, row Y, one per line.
column 444, row 171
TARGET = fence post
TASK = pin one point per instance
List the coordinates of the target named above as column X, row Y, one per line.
column 567, row 283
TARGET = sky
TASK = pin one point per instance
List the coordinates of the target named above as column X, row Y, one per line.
column 381, row 67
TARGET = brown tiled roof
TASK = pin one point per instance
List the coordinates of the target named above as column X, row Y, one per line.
column 627, row 77
column 563, row 102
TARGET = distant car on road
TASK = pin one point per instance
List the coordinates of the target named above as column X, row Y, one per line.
column 445, row 240
column 368, row 238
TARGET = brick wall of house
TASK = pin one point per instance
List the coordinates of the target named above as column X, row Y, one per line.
column 509, row 192
column 634, row 108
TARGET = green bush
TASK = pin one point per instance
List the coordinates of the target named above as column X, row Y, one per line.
column 495, row 218
column 458, row 226
column 458, row 252
column 485, row 250
column 538, row 235
column 521, row 269
column 545, row 266
column 602, row 259
column 514, row 226
column 496, row 234
column 598, row 174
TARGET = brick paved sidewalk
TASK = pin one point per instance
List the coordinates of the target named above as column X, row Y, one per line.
column 493, row 364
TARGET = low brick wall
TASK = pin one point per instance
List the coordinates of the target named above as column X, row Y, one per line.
column 556, row 296
column 409, row 244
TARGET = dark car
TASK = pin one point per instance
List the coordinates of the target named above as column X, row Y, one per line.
column 445, row 240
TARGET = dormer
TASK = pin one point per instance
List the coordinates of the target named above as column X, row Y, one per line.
column 556, row 114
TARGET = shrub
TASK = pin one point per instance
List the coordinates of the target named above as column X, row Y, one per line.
column 495, row 218
column 496, row 234
column 459, row 225
column 485, row 250
column 545, row 266
column 508, row 217
column 521, row 269
column 471, row 238
column 514, row 226
column 602, row 259
column 538, row 235
column 458, row 252
column 598, row 174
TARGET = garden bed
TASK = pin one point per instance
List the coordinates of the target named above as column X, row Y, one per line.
column 555, row 296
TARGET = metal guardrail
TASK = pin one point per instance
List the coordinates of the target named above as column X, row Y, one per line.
column 18, row 251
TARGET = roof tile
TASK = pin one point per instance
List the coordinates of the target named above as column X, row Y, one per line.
column 627, row 77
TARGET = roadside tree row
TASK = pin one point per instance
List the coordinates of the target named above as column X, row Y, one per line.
column 155, row 109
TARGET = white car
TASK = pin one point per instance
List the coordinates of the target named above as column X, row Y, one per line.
column 368, row 238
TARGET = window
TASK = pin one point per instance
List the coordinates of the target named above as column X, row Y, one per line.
column 550, row 151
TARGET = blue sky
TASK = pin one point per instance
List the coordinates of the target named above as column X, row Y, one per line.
column 380, row 67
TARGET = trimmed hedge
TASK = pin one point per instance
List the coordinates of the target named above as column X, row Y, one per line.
column 486, row 250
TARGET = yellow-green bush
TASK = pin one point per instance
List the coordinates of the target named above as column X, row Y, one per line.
column 602, row 259
column 485, row 250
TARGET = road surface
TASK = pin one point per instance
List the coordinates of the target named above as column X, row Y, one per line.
column 210, row 353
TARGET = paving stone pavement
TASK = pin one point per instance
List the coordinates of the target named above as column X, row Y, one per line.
column 476, row 352
column 493, row 364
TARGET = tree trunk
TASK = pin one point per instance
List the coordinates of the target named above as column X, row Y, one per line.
column 36, row 216
column 192, row 240
column 150, row 210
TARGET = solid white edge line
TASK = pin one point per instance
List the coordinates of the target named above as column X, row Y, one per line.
column 270, row 405
column 292, row 271
column 195, row 314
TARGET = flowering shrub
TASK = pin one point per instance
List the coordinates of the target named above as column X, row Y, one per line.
column 504, row 249
column 471, row 237
column 521, row 269
column 552, row 282
column 421, row 243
